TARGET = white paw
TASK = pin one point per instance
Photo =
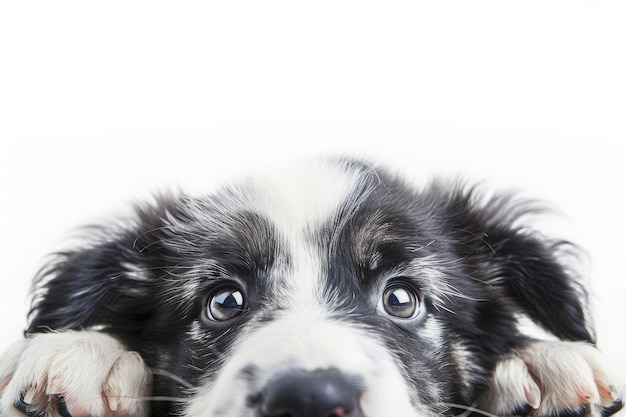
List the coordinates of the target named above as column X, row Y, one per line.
column 553, row 379
column 80, row 374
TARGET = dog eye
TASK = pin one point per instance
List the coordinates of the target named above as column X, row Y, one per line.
column 226, row 303
column 400, row 300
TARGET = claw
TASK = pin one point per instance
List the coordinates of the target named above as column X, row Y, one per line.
column 532, row 393
column 21, row 406
column 608, row 393
column 113, row 402
column 29, row 397
column 585, row 397
column 24, row 405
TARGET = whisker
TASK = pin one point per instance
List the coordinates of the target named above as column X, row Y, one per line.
column 469, row 409
column 452, row 291
column 151, row 398
column 164, row 398
column 170, row 375
column 440, row 307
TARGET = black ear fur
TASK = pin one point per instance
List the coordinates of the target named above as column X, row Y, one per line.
column 518, row 262
column 533, row 276
column 83, row 287
column 106, row 282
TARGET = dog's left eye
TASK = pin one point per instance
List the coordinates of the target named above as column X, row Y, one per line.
column 225, row 303
column 400, row 300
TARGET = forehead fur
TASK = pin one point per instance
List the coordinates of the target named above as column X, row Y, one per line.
column 302, row 203
column 296, row 227
column 302, row 198
column 276, row 228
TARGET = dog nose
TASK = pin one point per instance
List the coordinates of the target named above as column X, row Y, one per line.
column 317, row 393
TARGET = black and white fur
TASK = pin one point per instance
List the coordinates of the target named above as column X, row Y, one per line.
column 331, row 290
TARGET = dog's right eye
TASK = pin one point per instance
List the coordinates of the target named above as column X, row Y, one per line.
column 225, row 304
column 401, row 301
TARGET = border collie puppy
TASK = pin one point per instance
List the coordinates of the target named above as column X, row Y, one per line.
column 333, row 290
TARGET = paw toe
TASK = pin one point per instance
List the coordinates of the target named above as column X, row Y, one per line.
column 553, row 379
column 43, row 379
column 513, row 391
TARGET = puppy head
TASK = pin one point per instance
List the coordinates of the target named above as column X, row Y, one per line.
column 332, row 290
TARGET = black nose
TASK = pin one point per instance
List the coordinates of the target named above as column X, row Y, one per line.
column 318, row 393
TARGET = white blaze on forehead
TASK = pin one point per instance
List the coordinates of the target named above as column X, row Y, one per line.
column 298, row 202
column 307, row 195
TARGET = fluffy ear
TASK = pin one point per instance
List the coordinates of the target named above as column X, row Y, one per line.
column 107, row 282
column 520, row 264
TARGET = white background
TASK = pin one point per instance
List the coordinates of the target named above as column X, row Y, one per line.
column 102, row 103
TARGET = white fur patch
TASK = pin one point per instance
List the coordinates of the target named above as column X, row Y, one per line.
column 512, row 386
column 298, row 205
column 93, row 372
column 309, row 341
column 553, row 378
column 570, row 374
column 533, row 331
